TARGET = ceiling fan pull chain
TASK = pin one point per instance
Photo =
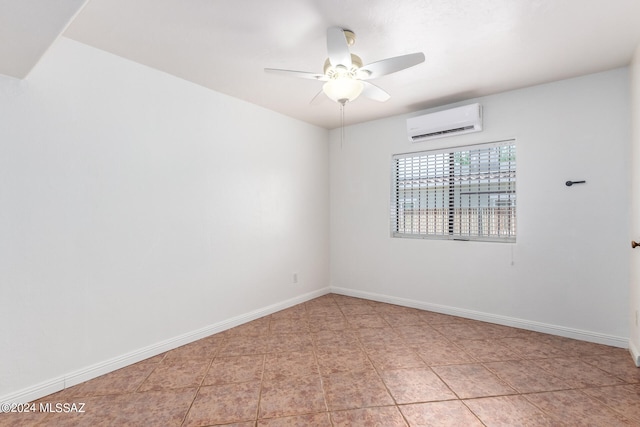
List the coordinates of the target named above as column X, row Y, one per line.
column 341, row 124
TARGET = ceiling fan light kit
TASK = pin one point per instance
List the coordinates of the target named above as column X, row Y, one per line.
column 344, row 74
column 343, row 89
column 343, row 85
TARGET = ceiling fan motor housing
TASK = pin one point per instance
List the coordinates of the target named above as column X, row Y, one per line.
column 340, row 71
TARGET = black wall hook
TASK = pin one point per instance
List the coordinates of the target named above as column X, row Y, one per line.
column 570, row 183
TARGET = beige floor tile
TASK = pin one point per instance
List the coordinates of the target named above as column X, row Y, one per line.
column 315, row 420
column 226, row 403
column 487, row 350
column 176, row 373
column 388, row 416
column 403, row 319
column 329, row 310
column 418, row 334
column 125, row 380
column 451, row 413
column 258, row 327
column 291, row 396
column 335, row 322
column 443, row 352
column 242, row 344
column 363, row 321
column 508, row 411
column 335, row 339
column 164, row 407
column 473, row 380
column 575, row 408
column 616, row 362
column 576, row 347
column 380, row 338
column 465, row 330
column 532, row 347
column 339, row 360
column 347, row 390
column 401, row 358
column 343, row 360
column 296, row 311
column 286, row 342
column 279, row 366
column 416, row 385
column 289, row 325
column 623, row 399
column 526, row 377
column 205, row 348
column 576, row 373
column 343, row 300
column 433, row 318
column 357, row 309
column 23, row 419
column 235, row 369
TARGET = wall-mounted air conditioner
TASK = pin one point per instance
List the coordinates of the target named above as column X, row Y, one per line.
column 454, row 121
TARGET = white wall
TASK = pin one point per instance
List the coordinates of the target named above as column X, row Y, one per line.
column 568, row 271
column 634, row 305
column 136, row 207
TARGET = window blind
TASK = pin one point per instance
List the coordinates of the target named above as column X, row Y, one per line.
column 466, row 193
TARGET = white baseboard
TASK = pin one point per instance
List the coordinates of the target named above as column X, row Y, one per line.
column 634, row 353
column 53, row 385
column 491, row 318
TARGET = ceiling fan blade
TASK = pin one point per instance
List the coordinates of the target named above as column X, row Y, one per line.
column 390, row 65
column 372, row 91
column 318, row 99
column 338, row 48
column 301, row 74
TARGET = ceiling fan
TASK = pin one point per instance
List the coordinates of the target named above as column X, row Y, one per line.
column 344, row 75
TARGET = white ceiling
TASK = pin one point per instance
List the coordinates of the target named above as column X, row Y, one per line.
column 28, row 28
column 473, row 48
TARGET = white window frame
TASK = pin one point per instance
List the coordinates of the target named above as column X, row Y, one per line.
column 455, row 193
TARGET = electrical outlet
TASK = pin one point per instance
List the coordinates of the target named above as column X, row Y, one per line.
column 295, row 278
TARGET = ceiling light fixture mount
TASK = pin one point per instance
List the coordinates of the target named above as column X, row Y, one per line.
column 350, row 36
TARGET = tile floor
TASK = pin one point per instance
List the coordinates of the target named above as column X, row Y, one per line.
column 342, row 361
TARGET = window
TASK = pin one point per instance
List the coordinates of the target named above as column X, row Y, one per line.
column 462, row 193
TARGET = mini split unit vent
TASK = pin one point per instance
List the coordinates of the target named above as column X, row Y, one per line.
column 455, row 121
